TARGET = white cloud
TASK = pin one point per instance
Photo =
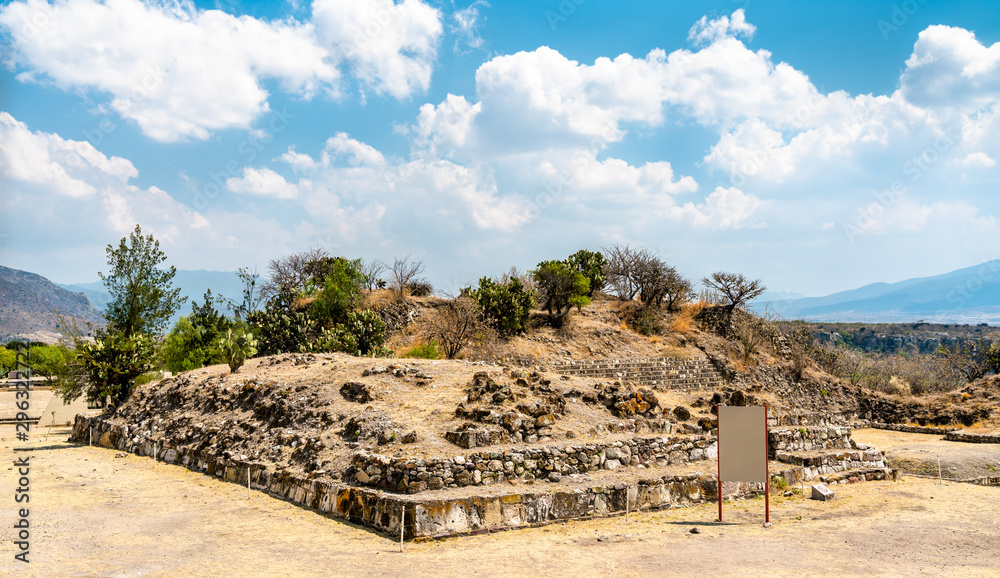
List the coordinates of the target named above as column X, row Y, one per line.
column 357, row 153
column 724, row 208
column 706, row 31
column 262, row 182
column 979, row 159
column 448, row 124
column 391, row 47
column 65, row 168
column 949, row 68
column 176, row 71
column 465, row 26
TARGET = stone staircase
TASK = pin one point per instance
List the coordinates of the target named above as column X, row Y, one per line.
column 655, row 372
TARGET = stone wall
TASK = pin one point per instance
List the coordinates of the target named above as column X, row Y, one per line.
column 425, row 519
column 912, row 428
column 656, row 372
column 834, row 462
column 407, row 475
column 808, row 438
column 965, row 436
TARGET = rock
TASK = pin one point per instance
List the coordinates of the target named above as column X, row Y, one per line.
column 822, row 493
column 695, row 531
column 410, row 438
column 612, row 464
column 682, row 413
column 545, row 420
column 555, row 476
column 358, row 392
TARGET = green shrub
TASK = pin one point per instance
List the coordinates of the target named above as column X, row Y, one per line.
column 281, row 331
column 591, row 265
column 363, row 333
column 428, row 350
column 506, row 307
column 112, row 363
column 237, row 348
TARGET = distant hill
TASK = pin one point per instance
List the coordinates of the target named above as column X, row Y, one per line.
column 970, row 295
column 28, row 306
column 192, row 285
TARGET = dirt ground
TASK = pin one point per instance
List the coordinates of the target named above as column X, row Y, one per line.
column 93, row 514
column 918, row 453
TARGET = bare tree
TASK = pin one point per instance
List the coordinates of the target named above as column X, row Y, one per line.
column 403, row 274
column 750, row 335
column 252, row 294
column 455, row 325
column 620, row 267
column 290, row 273
column 640, row 272
column 371, row 269
column 736, row 288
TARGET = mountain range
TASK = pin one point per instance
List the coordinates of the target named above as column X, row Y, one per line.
column 970, row 295
column 29, row 302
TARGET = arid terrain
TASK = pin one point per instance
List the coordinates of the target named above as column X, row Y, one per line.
column 97, row 514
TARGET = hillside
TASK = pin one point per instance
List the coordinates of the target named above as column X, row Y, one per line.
column 30, row 303
column 970, row 295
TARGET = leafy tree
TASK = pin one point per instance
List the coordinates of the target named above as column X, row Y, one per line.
column 142, row 299
column 506, row 307
column 8, row 360
column 591, row 264
column 561, row 288
column 336, row 287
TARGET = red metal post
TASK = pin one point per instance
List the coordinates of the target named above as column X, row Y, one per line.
column 718, row 455
column 767, row 472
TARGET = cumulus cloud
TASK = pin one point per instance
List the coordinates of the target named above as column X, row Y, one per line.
column 262, row 182
column 706, row 31
column 390, row 46
column 176, row 71
column 724, row 208
column 180, row 72
column 950, row 68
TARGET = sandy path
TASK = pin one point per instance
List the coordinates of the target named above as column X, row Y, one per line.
column 94, row 514
column 919, row 453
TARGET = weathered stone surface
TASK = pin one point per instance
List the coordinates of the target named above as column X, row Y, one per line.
column 358, row 392
column 823, row 493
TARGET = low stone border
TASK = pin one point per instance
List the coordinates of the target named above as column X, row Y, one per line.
column 911, row 428
column 970, row 437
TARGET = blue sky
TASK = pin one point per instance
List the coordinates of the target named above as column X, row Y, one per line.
column 817, row 146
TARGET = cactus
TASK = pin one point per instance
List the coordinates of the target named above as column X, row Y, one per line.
column 237, row 347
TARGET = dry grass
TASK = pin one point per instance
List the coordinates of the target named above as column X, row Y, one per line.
column 683, row 322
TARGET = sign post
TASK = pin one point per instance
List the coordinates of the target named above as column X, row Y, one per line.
column 743, row 454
